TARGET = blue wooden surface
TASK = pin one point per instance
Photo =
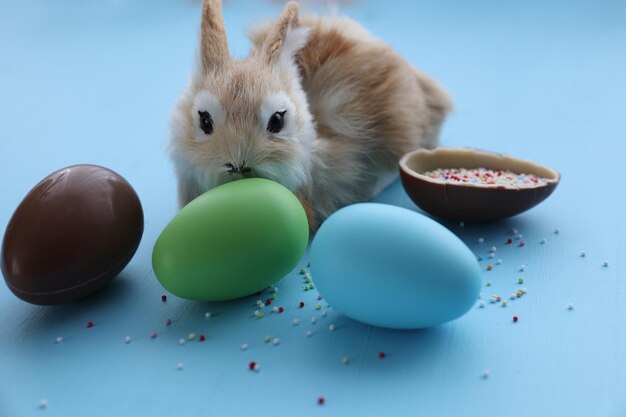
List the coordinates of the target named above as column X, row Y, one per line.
column 94, row 82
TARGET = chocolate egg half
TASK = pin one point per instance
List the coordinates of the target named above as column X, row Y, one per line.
column 73, row 232
column 472, row 202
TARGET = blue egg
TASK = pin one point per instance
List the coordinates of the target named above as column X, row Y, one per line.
column 392, row 267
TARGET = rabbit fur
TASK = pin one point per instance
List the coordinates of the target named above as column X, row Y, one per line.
column 319, row 105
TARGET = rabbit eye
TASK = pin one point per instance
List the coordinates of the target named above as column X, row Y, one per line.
column 276, row 122
column 206, row 122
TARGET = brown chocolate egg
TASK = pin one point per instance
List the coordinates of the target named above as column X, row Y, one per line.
column 467, row 200
column 74, row 232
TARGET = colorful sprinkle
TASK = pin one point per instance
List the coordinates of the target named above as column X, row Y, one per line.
column 168, row 322
column 301, row 304
column 182, row 341
column 331, row 327
column 345, row 360
column 321, row 400
column 309, row 333
column 244, row 346
column 509, row 241
column 127, row 339
column 296, row 322
column 202, row 338
column 253, row 366
column 276, row 341
column 191, row 336
column 268, row 339
column 153, row 335
column 89, row 324
column 515, row 319
column 489, row 267
column 164, row 297
column 280, row 309
column 481, row 240
column 484, row 176
column 302, row 271
column 207, row 314
column 59, row 339
column 382, row 355
column 520, row 280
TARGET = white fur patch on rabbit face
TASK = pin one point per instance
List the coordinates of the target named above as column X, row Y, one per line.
column 206, row 112
column 278, row 117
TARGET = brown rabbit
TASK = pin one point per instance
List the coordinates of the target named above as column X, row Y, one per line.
column 319, row 106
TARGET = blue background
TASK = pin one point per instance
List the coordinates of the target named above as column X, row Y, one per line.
column 94, row 82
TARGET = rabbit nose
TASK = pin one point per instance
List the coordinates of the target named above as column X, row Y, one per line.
column 238, row 169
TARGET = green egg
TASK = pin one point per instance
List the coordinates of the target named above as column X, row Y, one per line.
column 231, row 241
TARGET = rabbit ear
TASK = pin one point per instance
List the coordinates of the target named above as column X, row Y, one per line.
column 213, row 46
column 285, row 38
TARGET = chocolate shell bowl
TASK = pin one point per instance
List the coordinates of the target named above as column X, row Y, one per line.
column 473, row 201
